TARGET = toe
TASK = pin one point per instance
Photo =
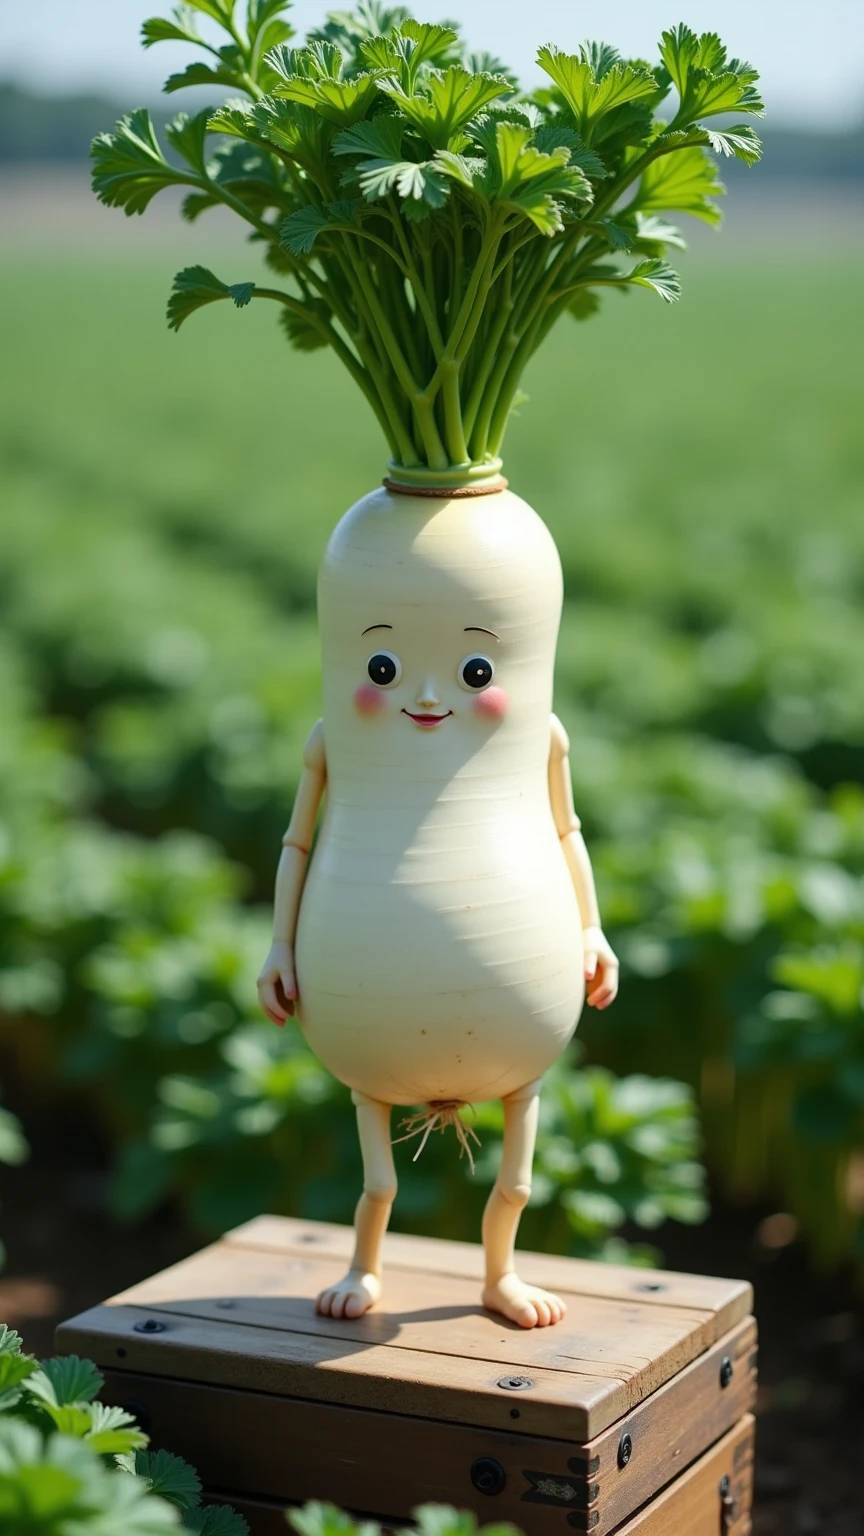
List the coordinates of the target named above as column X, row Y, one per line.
column 340, row 1301
column 544, row 1313
column 526, row 1315
column 323, row 1303
column 355, row 1305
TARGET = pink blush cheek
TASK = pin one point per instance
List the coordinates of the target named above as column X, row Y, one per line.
column 369, row 700
column 491, row 705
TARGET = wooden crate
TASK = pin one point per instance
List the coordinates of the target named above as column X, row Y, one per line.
column 632, row 1416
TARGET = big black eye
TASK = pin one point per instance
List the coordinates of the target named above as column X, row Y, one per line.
column 476, row 672
column 384, row 669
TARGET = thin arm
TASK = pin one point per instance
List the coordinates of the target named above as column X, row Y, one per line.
column 569, row 827
column 601, row 965
column 297, row 841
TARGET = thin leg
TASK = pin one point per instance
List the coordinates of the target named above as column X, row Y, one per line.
column 361, row 1287
column 504, row 1292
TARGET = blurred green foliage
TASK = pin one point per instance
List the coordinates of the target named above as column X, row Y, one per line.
column 167, row 503
column 316, row 1519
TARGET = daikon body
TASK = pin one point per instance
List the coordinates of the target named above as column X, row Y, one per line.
column 439, row 940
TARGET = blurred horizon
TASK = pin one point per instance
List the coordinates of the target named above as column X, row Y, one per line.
column 95, row 49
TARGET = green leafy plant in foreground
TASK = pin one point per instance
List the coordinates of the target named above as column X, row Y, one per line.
column 427, row 220
column 70, row 1464
column 317, row 1519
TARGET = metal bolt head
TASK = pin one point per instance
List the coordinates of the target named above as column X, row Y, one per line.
column 728, row 1503
column 727, row 1371
column 150, row 1325
column 488, row 1475
column 515, row 1383
column 625, row 1450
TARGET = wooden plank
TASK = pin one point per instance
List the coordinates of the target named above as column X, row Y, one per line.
column 367, row 1459
column 289, row 1450
column 432, row 1314
column 672, row 1428
column 690, row 1507
column 729, row 1300
column 330, row 1370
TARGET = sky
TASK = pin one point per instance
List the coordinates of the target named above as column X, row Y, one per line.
column 810, row 54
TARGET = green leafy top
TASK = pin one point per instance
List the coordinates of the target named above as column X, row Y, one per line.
column 427, row 220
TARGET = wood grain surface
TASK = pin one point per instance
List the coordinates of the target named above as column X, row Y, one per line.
column 334, row 1370
column 290, row 1449
column 241, row 1314
column 692, row 1506
column 730, row 1300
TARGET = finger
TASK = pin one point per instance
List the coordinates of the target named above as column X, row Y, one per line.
column 590, row 964
column 288, row 983
column 601, row 997
column 604, row 984
column 610, row 976
column 284, row 997
column 271, row 1003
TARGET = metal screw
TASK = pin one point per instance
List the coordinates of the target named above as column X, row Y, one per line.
column 727, row 1502
column 625, row 1450
column 649, row 1286
column 515, row 1383
column 727, row 1371
column 488, row 1475
column 150, row 1325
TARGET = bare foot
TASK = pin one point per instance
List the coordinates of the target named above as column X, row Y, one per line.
column 524, row 1304
column 351, row 1297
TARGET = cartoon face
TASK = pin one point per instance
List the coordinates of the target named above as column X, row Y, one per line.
column 438, row 627
column 434, row 691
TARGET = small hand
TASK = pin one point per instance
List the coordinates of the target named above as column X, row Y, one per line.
column 601, row 965
column 277, row 987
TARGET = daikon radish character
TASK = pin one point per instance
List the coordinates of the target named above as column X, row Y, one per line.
column 437, row 944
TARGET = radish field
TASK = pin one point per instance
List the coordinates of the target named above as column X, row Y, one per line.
column 164, row 501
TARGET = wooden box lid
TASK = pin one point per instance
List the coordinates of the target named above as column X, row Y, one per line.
column 241, row 1314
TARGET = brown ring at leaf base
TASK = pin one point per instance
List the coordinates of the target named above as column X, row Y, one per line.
column 448, row 493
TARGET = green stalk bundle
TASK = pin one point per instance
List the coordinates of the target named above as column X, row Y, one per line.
column 425, row 218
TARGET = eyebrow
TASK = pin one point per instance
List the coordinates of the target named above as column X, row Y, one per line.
column 477, row 629
column 375, row 626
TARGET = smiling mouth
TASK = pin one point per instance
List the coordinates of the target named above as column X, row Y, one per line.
column 427, row 722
